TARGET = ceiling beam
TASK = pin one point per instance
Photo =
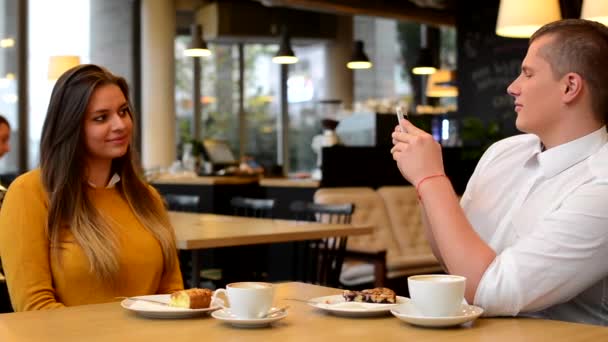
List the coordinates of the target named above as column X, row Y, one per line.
column 399, row 10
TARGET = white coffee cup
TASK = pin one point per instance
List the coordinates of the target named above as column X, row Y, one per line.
column 437, row 295
column 248, row 299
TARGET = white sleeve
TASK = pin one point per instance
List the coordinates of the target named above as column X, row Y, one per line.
column 564, row 256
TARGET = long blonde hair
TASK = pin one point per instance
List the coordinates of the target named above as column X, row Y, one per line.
column 61, row 156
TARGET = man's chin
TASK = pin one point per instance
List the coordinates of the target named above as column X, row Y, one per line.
column 521, row 125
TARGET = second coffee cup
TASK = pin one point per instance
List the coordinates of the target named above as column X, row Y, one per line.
column 248, row 300
column 437, row 295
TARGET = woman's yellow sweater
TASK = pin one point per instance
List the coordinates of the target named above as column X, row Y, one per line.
column 35, row 282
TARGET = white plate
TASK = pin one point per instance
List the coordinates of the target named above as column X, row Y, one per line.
column 152, row 310
column 226, row 316
column 407, row 312
column 337, row 305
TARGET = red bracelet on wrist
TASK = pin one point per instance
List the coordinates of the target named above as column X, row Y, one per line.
column 425, row 179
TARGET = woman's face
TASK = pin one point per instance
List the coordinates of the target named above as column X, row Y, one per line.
column 107, row 124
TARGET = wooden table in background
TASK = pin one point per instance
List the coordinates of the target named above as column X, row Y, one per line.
column 109, row 322
column 199, row 231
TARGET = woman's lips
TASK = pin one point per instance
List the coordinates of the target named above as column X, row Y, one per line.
column 119, row 140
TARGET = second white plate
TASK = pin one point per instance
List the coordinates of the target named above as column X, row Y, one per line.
column 338, row 306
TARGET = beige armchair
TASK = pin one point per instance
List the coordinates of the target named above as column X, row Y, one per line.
column 415, row 255
column 397, row 248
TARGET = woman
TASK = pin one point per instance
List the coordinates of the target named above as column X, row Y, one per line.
column 85, row 228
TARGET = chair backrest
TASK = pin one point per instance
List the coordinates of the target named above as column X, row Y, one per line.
column 370, row 211
column 322, row 259
column 404, row 212
column 252, row 207
column 327, row 213
column 182, row 202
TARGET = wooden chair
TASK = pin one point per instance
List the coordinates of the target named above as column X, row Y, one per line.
column 252, row 207
column 246, row 262
column 321, row 260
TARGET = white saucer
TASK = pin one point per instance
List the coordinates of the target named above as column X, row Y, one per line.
column 407, row 312
column 337, row 305
column 226, row 316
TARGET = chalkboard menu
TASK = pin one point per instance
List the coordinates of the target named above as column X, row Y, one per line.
column 487, row 64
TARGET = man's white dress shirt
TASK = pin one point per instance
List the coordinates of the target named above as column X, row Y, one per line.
column 545, row 214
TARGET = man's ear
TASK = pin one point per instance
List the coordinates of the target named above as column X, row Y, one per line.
column 572, row 86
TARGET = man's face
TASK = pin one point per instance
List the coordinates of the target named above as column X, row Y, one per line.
column 536, row 91
column 5, row 137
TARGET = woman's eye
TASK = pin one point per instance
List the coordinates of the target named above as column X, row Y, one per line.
column 100, row 118
column 124, row 111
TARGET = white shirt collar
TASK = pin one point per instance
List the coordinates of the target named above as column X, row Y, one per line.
column 112, row 183
column 559, row 158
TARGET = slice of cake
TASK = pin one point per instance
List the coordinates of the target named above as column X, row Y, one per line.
column 379, row 295
column 191, row 298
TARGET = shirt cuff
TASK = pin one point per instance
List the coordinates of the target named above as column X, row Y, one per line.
column 499, row 291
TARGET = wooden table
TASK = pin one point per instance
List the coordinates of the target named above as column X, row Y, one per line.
column 199, row 231
column 109, row 322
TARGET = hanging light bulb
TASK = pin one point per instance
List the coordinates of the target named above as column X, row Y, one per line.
column 285, row 55
column 596, row 10
column 521, row 18
column 358, row 59
column 197, row 47
column 425, row 64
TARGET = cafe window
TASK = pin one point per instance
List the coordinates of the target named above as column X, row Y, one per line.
column 9, row 80
column 218, row 97
column 390, row 79
column 219, row 100
column 66, row 33
column 56, row 28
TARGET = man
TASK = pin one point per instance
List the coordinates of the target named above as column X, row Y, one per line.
column 531, row 232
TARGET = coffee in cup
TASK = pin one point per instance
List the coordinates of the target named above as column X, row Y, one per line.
column 248, row 300
column 437, row 295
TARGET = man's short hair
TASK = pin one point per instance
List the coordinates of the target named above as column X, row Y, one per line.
column 579, row 46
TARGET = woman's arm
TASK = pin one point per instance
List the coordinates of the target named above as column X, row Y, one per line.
column 24, row 247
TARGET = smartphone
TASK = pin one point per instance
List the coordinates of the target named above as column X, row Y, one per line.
column 400, row 115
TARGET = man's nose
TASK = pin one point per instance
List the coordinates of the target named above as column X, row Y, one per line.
column 512, row 89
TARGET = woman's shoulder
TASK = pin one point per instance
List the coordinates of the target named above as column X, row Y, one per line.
column 29, row 180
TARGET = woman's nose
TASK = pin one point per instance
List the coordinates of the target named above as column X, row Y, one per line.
column 118, row 122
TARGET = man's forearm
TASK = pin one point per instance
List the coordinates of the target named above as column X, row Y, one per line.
column 462, row 250
column 428, row 232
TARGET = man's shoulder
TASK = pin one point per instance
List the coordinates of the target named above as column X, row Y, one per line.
column 598, row 163
column 520, row 141
column 523, row 144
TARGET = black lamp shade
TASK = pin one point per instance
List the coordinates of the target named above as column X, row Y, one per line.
column 358, row 59
column 197, row 47
column 285, row 54
column 425, row 63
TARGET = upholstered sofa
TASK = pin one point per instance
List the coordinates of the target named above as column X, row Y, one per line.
column 398, row 246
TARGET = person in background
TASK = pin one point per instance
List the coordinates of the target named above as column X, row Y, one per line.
column 5, row 147
column 85, row 228
column 531, row 231
column 5, row 136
